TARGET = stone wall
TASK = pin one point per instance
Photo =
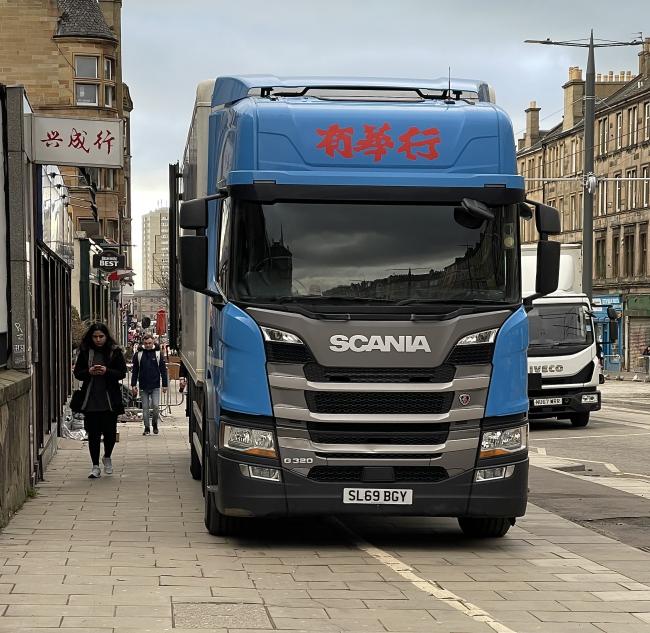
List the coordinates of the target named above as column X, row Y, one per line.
column 15, row 480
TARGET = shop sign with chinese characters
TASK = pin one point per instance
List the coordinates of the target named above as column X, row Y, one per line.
column 78, row 142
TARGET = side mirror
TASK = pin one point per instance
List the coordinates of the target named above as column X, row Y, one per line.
column 548, row 267
column 194, row 262
column 194, row 214
column 547, row 220
column 613, row 331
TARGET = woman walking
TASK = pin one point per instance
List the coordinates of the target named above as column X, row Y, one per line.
column 101, row 366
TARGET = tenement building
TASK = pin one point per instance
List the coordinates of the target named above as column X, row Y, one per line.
column 552, row 163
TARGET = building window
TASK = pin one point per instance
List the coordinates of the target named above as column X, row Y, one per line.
column 86, row 94
column 601, row 262
column 645, row 174
column 602, row 136
column 572, row 212
column 628, row 254
column 85, row 66
column 109, row 96
column 618, row 193
column 109, row 179
column 93, row 175
column 619, row 130
column 574, row 156
column 643, row 250
column 111, row 231
column 631, row 189
column 631, row 125
column 562, row 156
column 616, row 253
column 646, row 122
column 109, row 69
column 602, row 197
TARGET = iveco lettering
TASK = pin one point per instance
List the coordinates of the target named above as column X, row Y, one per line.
column 351, row 316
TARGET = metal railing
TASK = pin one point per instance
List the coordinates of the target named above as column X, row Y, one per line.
column 641, row 369
column 173, row 398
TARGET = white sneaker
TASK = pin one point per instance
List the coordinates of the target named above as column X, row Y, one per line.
column 95, row 473
column 108, row 465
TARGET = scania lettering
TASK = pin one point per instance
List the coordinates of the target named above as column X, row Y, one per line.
column 563, row 365
column 351, row 316
column 361, row 343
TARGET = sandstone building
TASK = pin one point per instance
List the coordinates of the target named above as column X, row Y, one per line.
column 552, row 163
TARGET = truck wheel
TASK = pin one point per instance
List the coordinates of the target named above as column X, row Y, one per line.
column 195, row 464
column 580, row 419
column 485, row 527
column 216, row 523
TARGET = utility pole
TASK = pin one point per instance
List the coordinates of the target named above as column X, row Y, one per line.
column 590, row 181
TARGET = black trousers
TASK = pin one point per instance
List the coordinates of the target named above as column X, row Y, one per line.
column 98, row 423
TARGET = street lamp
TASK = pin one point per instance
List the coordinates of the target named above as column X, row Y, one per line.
column 589, row 178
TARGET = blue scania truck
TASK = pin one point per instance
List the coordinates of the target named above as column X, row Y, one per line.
column 351, row 317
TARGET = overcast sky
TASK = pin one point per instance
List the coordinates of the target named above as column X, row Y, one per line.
column 168, row 47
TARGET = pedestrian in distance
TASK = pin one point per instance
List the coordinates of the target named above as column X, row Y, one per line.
column 100, row 366
column 149, row 370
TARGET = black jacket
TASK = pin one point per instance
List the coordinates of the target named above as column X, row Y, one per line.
column 115, row 371
column 148, row 372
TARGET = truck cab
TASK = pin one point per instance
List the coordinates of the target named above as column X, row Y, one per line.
column 352, row 300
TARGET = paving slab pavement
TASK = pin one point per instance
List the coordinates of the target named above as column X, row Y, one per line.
column 128, row 553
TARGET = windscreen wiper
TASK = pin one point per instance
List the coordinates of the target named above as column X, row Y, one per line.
column 324, row 298
column 465, row 302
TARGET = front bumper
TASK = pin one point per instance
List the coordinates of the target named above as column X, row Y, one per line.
column 237, row 495
column 571, row 403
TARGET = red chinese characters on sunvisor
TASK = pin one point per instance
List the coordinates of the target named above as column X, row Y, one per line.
column 376, row 142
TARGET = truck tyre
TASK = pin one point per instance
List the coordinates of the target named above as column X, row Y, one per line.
column 580, row 419
column 195, row 463
column 216, row 523
column 485, row 527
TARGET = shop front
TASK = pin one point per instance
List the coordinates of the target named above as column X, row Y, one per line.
column 612, row 346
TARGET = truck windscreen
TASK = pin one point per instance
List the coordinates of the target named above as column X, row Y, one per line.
column 368, row 252
column 560, row 324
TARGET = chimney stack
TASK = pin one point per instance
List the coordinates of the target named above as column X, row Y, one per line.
column 574, row 93
column 644, row 59
column 532, row 124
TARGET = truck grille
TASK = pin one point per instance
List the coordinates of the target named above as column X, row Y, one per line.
column 584, row 375
column 318, row 373
column 346, row 402
column 287, row 353
column 395, row 434
column 402, row 474
column 472, row 354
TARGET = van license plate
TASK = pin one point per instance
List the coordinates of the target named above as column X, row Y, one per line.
column 546, row 402
column 381, row 496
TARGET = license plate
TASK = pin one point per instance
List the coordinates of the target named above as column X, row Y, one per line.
column 545, row 402
column 381, row 496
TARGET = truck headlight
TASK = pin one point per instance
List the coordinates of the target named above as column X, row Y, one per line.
column 272, row 335
column 503, row 442
column 590, row 398
column 479, row 338
column 249, row 441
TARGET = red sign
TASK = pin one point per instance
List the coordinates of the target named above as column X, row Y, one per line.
column 415, row 143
